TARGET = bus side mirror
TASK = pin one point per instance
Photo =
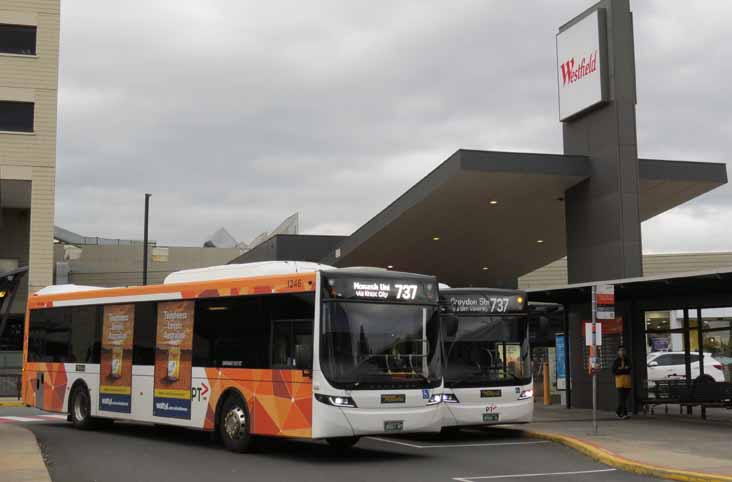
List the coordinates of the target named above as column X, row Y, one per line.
column 450, row 324
column 304, row 356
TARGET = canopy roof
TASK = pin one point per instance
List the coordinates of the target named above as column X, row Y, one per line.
column 486, row 218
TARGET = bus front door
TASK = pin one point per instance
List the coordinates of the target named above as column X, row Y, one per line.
column 285, row 407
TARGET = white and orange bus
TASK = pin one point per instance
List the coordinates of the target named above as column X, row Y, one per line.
column 289, row 349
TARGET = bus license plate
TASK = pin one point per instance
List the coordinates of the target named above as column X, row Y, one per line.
column 393, row 426
column 490, row 417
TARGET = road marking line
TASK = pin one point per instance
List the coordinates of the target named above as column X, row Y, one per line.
column 511, row 476
column 35, row 418
column 395, row 442
column 415, row 446
column 19, row 419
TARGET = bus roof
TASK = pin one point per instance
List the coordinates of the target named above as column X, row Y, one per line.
column 246, row 270
column 466, row 291
column 227, row 280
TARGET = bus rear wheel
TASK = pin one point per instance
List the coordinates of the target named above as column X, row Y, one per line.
column 234, row 426
column 342, row 443
column 80, row 408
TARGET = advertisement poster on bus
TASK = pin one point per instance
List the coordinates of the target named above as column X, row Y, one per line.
column 115, row 373
column 173, row 360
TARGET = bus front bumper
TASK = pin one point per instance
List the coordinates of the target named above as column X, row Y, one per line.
column 459, row 414
column 331, row 421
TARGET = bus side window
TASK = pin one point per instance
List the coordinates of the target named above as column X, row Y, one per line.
column 282, row 356
column 291, row 317
column 85, row 333
column 231, row 333
column 64, row 335
column 37, row 336
column 143, row 352
column 292, row 342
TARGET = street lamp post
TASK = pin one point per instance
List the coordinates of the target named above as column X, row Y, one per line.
column 144, row 247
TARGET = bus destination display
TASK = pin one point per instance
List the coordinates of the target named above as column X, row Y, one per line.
column 412, row 291
column 489, row 303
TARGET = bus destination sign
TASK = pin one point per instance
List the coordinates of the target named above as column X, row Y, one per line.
column 403, row 290
column 488, row 303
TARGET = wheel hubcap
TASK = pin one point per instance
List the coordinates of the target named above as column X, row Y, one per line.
column 80, row 407
column 234, row 423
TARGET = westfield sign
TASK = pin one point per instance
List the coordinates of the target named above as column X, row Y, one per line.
column 573, row 71
column 581, row 74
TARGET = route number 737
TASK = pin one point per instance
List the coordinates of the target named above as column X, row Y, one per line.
column 406, row 292
column 499, row 305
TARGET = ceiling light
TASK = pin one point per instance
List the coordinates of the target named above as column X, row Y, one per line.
column 435, row 238
column 485, row 268
column 494, row 202
column 539, row 241
column 391, row 266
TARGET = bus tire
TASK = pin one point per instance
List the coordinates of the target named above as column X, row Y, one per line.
column 80, row 408
column 234, row 425
column 342, row 443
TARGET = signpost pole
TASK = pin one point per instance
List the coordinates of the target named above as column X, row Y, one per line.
column 593, row 354
column 145, row 240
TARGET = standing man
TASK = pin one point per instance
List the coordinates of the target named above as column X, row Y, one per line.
column 621, row 370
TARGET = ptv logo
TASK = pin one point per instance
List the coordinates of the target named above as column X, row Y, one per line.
column 198, row 393
column 571, row 74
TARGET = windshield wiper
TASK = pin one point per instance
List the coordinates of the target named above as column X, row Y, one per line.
column 390, row 372
column 515, row 377
column 460, row 380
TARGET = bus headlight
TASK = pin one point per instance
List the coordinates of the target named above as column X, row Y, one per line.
column 335, row 400
column 435, row 399
column 450, row 398
column 526, row 394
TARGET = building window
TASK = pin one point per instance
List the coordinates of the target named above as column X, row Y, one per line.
column 17, row 39
column 16, row 116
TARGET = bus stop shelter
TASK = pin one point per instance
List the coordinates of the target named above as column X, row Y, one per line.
column 673, row 319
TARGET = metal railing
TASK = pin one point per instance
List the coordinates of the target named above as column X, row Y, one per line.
column 10, row 385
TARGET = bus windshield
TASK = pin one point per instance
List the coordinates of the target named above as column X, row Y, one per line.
column 380, row 345
column 488, row 351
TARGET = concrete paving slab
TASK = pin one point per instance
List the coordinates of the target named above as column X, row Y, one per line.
column 693, row 445
column 20, row 456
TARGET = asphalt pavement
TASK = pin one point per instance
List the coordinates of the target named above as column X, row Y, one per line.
column 130, row 452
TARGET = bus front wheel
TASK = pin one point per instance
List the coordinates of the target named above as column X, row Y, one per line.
column 234, row 425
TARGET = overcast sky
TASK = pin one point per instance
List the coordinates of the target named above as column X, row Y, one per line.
column 239, row 113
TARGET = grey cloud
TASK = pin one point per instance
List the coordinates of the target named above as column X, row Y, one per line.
column 240, row 113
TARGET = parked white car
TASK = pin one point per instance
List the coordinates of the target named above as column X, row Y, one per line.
column 671, row 365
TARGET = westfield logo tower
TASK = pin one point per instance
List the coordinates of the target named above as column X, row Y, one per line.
column 571, row 74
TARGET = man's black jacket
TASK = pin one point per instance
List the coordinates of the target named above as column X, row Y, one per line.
column 617, row 370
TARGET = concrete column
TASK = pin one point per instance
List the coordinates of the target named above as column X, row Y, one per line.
column 41, row 229
column 602, row 213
